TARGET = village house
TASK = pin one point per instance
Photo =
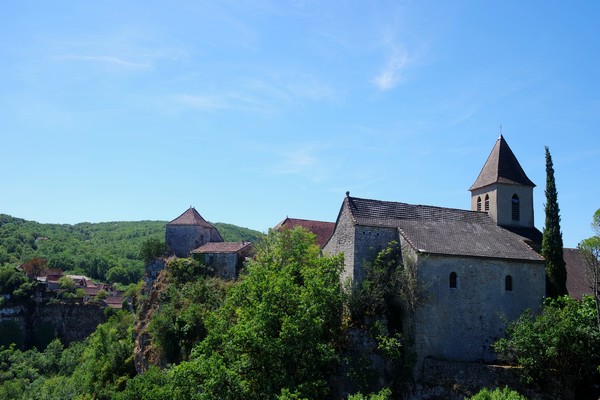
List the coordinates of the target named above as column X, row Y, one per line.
column 188, row 232
column 225, row 258
column 191, row 235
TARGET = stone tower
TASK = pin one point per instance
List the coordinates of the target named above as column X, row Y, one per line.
column 503, row 190
column 188, row 232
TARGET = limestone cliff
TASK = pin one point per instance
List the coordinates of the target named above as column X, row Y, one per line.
column 145, row 354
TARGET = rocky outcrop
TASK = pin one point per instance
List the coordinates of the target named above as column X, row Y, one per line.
column 37, row 323
column 144, row 353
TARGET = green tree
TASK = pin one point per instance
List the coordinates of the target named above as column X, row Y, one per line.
column 563, row 340
column 552, row 243
column 152, row 249
column 276, row 334
column 118, row 275
column 590, row 251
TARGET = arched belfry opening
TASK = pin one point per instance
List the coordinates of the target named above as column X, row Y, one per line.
column 515, row 208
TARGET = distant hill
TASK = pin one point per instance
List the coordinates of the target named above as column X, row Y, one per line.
column 91, row 248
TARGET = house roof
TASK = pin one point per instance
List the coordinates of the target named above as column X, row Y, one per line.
column 501, row 167
column 439, row 230
column 322, row 230
column 222, row 247
column 577, row 282
column 190, row 217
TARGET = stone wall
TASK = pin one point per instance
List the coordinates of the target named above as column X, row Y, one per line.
column 461, row 323
column 182, row 239
column 357, row 243
column 225, row 265
column 457, row 380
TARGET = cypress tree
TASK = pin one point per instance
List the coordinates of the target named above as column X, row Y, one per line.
column 552, row 243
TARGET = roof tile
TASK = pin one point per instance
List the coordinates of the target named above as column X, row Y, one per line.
column 501, row 167
column 439, row 230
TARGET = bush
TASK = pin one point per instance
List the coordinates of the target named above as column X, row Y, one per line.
column 563, row 340
column 498, row 394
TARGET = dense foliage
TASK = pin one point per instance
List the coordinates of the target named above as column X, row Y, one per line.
column 590, row 251
column 95, row 368
column 552, row 243
column 179, row 324
column 562, row 340
column 498, row 394
column 275, row 335
column 108, row 251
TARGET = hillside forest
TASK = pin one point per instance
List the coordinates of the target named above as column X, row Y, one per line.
column 287, row 329
column 107, row 252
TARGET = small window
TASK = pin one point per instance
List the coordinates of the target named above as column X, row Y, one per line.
column 508, row 283
column 516, row 212
column 452, row 280
column 487, row 202
column 478, row 203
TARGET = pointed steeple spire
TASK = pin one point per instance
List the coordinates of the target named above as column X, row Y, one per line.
column 501, row 167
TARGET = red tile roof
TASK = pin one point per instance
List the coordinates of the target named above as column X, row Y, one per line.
column 190, row 217
column 222, row 247
column 323, row 230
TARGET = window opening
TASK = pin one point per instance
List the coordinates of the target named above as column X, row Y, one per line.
column 487, row 202
column 452, row 280
column 478, row 203
column 508, row 283
column 516, row 212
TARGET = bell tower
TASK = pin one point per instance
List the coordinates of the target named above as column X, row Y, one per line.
column 503, row 190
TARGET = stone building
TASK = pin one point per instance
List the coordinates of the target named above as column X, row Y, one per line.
column 225, row 258
column 478, row 266
column 188, row 232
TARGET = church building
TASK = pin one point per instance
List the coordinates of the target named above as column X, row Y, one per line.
column 478, row 267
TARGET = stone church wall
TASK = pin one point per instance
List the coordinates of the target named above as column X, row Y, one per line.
column 461, row 323
column 358, row 244
column 342, row 242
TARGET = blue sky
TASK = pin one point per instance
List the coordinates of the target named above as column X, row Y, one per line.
column 252, row 111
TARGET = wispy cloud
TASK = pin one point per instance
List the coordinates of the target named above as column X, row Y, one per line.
column 104, row 59
column 265, row 95
column 128, row 48
column 391, row 73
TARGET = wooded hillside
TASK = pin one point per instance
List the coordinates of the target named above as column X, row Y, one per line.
column 91, row 248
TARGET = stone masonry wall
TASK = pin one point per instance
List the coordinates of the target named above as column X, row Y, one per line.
column 357, row 243
column 461, row 323
column 342, row 242
column 224, row 264
column 182, row 239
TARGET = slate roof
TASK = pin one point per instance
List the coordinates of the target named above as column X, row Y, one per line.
column 501, row 167
column 322, row 230
column 531, row 235
column 190, row 217
column 577, row 283
column 222, row 247
column 439, row 230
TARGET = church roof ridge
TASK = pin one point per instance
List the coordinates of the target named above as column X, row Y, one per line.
column 441, row 230
column 363, row 209
column 501, row 166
